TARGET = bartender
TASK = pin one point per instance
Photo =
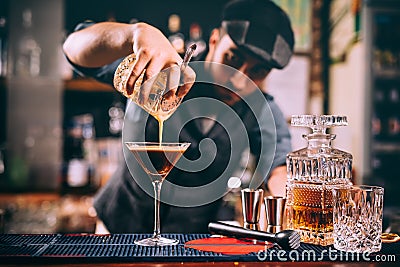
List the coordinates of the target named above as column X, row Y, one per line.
column 224, row 114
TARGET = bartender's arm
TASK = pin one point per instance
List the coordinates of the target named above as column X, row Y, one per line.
column 103, row 43
column 277, row 181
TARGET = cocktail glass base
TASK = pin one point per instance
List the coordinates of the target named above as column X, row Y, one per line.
column 157, row 241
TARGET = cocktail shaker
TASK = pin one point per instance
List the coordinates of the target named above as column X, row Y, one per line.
column 163, row 97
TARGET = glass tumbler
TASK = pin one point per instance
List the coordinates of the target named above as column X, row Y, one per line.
column 357, row 218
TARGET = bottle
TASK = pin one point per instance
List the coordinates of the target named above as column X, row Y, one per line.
column 29, row 51
column 312, row 172
column 3, row 96
column 176, row 38
column 79, row 157
column 196, row 37
column 116, row 114
column 3, row 46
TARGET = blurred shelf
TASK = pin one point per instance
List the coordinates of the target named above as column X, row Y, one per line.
column 87, row 84
column 47, row 213
column 387, row 73
column 29, row 197
column 386, row 147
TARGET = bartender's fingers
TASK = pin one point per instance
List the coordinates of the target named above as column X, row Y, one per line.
column 187, row 80
column 142, row 60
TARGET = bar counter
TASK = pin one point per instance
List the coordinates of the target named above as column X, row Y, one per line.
column 120, row 250
column 218, row 264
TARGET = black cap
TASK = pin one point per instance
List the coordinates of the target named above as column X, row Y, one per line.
column 262, row 28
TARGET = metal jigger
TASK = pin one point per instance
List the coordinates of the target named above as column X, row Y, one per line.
column 274, row 209
column 251, row 206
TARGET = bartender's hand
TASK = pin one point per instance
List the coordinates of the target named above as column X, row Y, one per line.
column 105, row 42
column 155, row 53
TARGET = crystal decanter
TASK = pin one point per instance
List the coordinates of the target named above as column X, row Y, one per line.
column 312, row 173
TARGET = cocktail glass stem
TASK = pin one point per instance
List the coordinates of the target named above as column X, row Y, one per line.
column 157, row 191
column 157, row 160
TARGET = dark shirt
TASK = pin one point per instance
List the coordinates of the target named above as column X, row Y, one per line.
column 192, row 193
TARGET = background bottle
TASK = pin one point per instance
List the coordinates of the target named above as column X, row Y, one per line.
column 196, row 37
column 80, row 153
column 29, row 51
column 3, row 46
column 176, row 38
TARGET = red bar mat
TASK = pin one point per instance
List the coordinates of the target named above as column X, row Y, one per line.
column 228, row 245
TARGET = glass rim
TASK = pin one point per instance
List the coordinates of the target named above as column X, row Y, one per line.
column 145, row 143
column 360, row 187
column 252, row 190
column 274, row 197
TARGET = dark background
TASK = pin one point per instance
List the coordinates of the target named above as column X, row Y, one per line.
column 156, row 12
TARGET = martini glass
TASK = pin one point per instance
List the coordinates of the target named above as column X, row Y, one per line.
column 157, row 160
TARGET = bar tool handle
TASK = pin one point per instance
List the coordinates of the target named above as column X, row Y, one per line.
column 188, row 55
column 239, row 232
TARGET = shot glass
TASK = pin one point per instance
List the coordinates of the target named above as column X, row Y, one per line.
column 274, row 209
column 251, row 207
column 357, row 218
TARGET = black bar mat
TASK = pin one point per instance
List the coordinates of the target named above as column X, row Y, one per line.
column 121, row 248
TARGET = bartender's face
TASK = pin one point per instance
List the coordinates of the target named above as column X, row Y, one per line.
column 224, row 51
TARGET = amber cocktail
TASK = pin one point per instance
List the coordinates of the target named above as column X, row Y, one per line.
column 157, row 160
